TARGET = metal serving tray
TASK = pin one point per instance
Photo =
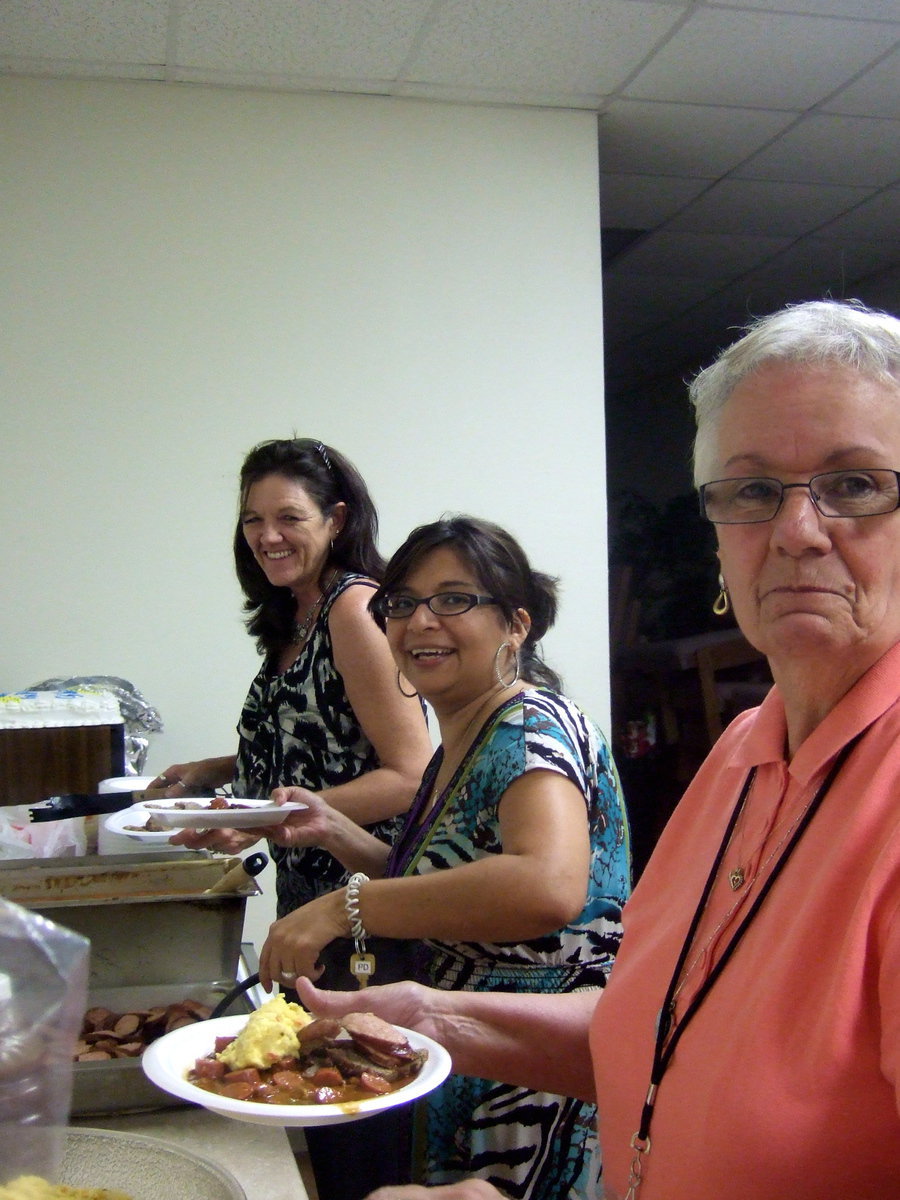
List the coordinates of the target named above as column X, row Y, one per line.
column 120, row 1085
column 149, row 919
column 157, row 937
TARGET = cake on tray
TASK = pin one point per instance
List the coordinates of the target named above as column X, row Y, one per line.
column 69, row 706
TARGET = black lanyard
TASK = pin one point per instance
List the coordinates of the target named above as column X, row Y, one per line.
column 665, row 1045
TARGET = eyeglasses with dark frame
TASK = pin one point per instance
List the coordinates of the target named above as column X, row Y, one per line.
column 861, row 492
column 397, row 605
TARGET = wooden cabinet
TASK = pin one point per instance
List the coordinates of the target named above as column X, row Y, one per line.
column 37, row 763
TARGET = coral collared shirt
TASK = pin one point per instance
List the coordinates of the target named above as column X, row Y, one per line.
column 785, row 1085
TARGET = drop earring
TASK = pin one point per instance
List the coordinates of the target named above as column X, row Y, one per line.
column 722, row 603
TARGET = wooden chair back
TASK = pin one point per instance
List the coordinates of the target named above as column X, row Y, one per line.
column 722, row 656
column 624, row 609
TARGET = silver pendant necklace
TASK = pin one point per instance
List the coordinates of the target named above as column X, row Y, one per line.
column 300, row 631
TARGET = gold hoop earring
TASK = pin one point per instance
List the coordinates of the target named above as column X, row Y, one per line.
column 408, row 695
column 722, row 603
column 515, row 679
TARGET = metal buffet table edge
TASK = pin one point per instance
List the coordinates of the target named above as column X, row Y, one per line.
column 260, row 1157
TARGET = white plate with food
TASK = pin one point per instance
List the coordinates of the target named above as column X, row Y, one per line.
column 172, row 1063
column 135, row 823
column 218, row 813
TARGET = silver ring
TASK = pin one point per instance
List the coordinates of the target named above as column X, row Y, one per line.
column 179, row 783
column 286, row 977
column 162, row 779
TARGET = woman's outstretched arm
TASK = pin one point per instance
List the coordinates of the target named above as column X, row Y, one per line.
column 534, row 1041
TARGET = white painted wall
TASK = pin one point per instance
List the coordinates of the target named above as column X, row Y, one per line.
column 190, row 270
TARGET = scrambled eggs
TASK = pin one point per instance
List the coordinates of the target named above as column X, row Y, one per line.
column 270, row 1034
column 32, row 1187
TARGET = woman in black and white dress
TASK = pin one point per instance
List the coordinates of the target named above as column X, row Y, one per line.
column 324, row 712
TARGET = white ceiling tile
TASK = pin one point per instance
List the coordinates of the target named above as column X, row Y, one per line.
column 871, row 220
column 733, row 175
column 642, row 201
column 764, row 59
column 690, row 140
column 831, row 266
column 90, row 30
column 740, row 206
column 582, row 46
column 863, row 10
column 854, row 151
column 317, row 38
column 874, row 94
column 711, row 255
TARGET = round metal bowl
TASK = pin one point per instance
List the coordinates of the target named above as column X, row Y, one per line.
column 143, row 1167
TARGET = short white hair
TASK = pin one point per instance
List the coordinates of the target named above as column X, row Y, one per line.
column 820, row 331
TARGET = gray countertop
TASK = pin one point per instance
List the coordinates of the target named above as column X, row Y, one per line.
column 259, row 1156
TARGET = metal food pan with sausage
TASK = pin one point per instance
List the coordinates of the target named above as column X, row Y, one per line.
column 118, row 1084
column 158, row 936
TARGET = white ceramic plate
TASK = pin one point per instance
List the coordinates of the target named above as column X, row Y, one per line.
column 137, row 815
column 167, row 1061
column 255, row 813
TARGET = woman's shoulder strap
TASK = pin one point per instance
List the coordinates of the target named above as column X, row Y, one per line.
column 346, row 581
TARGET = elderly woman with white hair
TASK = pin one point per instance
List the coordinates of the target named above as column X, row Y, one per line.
column 748, row 1042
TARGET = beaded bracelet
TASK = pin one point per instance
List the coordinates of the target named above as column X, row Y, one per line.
column 362, row 965
column 357, row 930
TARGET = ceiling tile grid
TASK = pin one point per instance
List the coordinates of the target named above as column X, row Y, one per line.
column 760, row 59
column 764, row 207
column 694, row 140
column 749, row 150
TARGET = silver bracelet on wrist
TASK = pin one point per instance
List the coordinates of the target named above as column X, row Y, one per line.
column 351, row 903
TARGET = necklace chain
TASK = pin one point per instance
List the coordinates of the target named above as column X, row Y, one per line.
column 301, row 628
column 737, row 877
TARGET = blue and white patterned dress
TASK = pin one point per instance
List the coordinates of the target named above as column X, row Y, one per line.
column 528, row 1144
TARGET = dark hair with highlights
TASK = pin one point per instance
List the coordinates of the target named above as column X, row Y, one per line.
column 501, row 568
column 329, row 479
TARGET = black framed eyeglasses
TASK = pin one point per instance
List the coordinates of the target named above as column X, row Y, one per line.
column 397, row 605
column 865, row 492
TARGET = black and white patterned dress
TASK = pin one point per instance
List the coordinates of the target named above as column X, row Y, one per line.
column 299, row 728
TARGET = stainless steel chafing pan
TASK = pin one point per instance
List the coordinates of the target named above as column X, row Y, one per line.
column 157, row 935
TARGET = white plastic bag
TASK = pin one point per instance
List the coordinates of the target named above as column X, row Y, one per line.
column 43, row 987
column 20, row 838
